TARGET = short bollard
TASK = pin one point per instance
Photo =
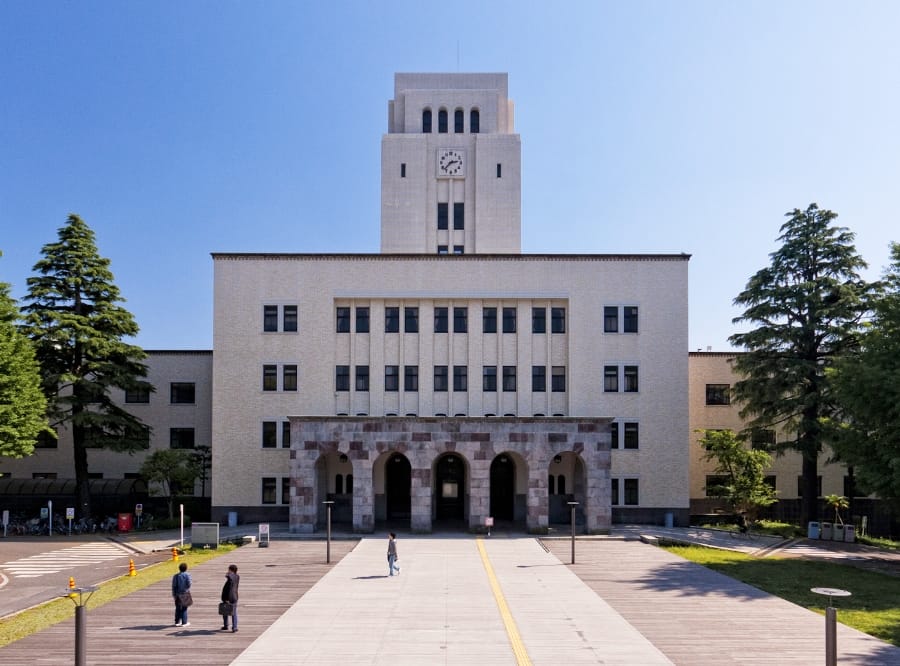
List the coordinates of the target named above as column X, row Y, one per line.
column 328, row 531
column 830, row 622
column 76, row 594
column 573, row 505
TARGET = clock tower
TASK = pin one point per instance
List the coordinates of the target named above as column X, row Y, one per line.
column 450, row 167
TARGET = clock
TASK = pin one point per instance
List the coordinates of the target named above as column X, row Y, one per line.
column 451, row 163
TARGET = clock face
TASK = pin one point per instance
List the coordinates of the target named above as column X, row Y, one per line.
column 450, row 163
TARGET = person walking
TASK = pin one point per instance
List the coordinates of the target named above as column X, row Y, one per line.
column 230, row 597
column 392, row 554
column 181, row 592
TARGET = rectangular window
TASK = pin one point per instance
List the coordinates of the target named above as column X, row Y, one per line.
column 489, row 379
column 440, row 378
column 270, row 318
column 557, row 320
column 499, row 170
column 538, row 378
column 43, row 475
column 362, row 319
column 270, row 378
column 459, row 216
column 718, row 394
column 342, row 378
column 610, row 378
column 630, row 319
column 800, row 486
column 459, row 249
column 558, row 379
column 442, row 249
column 411, row 320
column 460, row 320
column 460, row 378
column 285, row 490
column 538, row 320
column 442, row 216
column 614, row 486
column 631, row 379
column 403, row 169
column 631, row 492
column 285, row 434
column 614, row 435
column 763, row 439
column 289, row 378
column 411, row 378
column 489, row 320
column 289, row 320
column 631, row 436
column 269, row 434
column 269, row 489
column 392, row 320
column 509, row 320
column 343, row 320
column 362, row 378
column 139, row 395
column 715, row 484
column 181, row 438
column 440, row 320
column 611, row 319
column 46, row 440
column 392, row 378
column 509, row 378
column 182, row 393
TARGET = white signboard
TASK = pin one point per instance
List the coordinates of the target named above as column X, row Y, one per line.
column 70, row 513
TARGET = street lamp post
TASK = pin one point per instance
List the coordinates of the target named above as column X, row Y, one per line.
column 830, row 622
column 328, row 530
column 573, row 505
column 76, row 594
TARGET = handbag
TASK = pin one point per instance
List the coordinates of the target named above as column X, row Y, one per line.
column 185, row 599
column 226, row 608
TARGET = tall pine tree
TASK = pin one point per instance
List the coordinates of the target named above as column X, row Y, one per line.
column 78, row 330
column 807, row 307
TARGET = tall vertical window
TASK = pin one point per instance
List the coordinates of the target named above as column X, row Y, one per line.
column 458, row 118
column 411, row 319
column 558, row 378
column 289, row 378
column 631, row 492
column 499, row 170
column 392, row 378
column 362, row 378
column 270, row 378
column 614, row 487
column 557, row 320
column 538, row 320
column 403, row 169
column 440, row 378
column 182, row 393
column 460, row 378
column 392, row 320
column 489, row 320
column 343, row 320
column 342, row 378
column 460, row 320
column 270, row 318
column 362, row 319
column 459, row 215
column 509, row 320
column 269, row 490
column 610, row 378
column 411, row 378
column 285, row 434
column 630, row 319
column 631, row 436
column 442, row 216
column 289, row 320
column 631, row 378
column 611, row 319
column 538, row 378
column 474, row 121
column 489, row 379
column 440, row 320
column 285, row 490
column 509, row 378
column 614, row 435
column 426, row 121
column 269, row 434
column 442, row 121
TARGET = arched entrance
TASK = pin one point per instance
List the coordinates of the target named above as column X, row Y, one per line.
column 397, row 478
column 503, row 487
column 450, row 488
column 566, row 482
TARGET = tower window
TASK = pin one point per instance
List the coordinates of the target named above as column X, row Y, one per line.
column 403, row 170
column 459, row 216
column 474, row 121
column 499, row 170
column 443, row 215
column 426, row 121
column 460, row 320
column 440, row 320
column 442, row 121
column 458, row 121
column 458, row 249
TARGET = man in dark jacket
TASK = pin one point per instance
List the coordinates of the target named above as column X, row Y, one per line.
column 230, row 596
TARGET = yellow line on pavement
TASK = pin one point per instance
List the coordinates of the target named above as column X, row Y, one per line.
column 512, row 631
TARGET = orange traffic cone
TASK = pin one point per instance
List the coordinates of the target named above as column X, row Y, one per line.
column 131, row 571
column 174, row 554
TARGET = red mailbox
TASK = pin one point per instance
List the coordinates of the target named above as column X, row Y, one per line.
column 124, row 522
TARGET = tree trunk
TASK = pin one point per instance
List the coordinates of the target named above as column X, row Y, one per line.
column 82, row 482
column 810, row 501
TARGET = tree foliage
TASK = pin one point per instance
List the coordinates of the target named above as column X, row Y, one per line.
column 741, row 470
column 77, row 326
column 807, row 307
column 868, row 387
column 172, row 472
column 23, row 406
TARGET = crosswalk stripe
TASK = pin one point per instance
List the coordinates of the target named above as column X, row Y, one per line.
column 59, row 560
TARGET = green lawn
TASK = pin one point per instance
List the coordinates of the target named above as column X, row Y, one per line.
column 874, row 607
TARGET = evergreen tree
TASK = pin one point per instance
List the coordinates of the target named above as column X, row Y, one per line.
column 807, row 307
column 77, row 327
column 868, row 387
column 23, row 407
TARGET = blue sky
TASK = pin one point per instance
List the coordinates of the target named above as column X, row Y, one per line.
column 180, row 129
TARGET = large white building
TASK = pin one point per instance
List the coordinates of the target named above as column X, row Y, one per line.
column 450, row 377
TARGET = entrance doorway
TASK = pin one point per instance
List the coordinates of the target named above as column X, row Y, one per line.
column 450, row 488
column 503, row 487
column 397, row 475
